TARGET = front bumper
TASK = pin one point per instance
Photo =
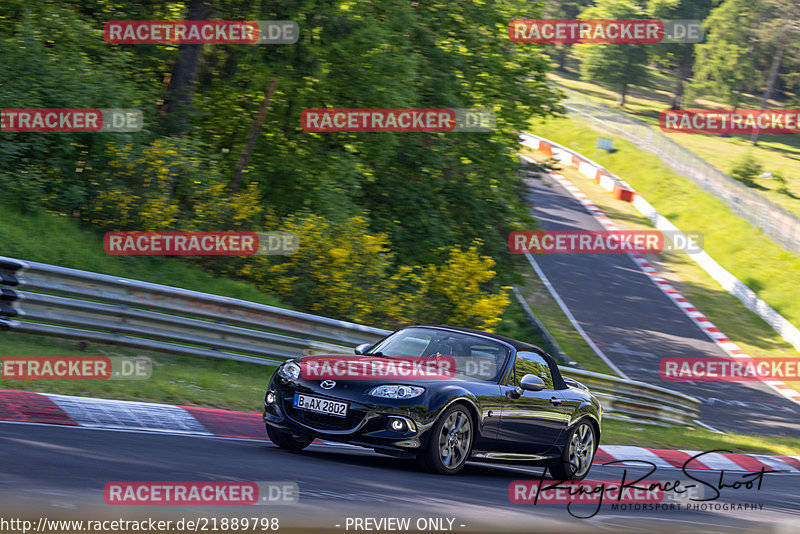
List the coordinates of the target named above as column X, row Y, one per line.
column 366, row 425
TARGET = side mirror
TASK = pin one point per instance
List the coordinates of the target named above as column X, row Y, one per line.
column 531, row 383
column 361, row 349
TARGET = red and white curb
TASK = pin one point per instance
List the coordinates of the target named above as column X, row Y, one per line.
column 704, row 323
column 87, row 412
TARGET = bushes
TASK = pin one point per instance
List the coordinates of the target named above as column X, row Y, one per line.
column 345, row 271
column 342, row 269
column 167, row 184
column 452, row 293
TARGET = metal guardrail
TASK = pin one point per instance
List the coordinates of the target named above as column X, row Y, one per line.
column 639, row 401
column 44, row 299
column 37, row 298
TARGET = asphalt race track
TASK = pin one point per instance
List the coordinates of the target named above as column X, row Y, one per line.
column 636, row 325
column 60, row 472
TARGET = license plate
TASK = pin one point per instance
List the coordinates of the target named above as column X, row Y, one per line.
column 316, row 404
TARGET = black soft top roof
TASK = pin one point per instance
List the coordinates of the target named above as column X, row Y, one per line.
column 519, row 345
column 558, row 380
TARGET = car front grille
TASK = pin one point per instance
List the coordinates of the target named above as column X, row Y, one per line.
column 323, row 421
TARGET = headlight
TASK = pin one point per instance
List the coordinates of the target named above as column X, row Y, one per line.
column 289, row 371
column 397, row 392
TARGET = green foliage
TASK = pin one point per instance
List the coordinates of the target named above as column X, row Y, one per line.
column 563, row 9
column 677, row 56
column 167, row 184
column 725, row 64
column 55, row 57
column 342, row 270
column 452, row 293
column 618, row 66
column 339, row 270
column 414, row 196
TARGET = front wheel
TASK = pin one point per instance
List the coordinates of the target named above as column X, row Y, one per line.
column 450, row 442
column 576, row 460
column 288, row 441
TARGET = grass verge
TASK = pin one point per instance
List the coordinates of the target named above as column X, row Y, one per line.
column 659, row 437
column 54, row 239
column 549, row 313
column 176, row 379
column 778, row 153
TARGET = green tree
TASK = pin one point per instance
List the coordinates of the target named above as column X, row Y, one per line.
column 54, row 56
column 428, row 193
column 678, row 57
column 564, row 9
column 725, row 64
column 779, row 36
column 615, row 65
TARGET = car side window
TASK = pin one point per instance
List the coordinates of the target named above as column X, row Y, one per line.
column 530, row 363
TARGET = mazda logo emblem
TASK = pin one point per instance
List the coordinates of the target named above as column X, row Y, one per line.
column 328, row 384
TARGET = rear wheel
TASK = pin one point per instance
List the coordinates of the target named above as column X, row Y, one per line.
column 284, row 440
column 450, row 442
column 576, row 460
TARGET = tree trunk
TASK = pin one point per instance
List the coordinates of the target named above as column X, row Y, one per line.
column 184, row 74
column 562, row 58
column 251, row 138
column 773, row 76
column 684, row 69
column 622, row 94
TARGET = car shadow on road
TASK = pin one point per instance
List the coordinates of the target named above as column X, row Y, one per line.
column 367, row 458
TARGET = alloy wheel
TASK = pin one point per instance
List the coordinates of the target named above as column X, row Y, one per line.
column 581, row 449
column 455, row 439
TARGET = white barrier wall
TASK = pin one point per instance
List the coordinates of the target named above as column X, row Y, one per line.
column 729, row 282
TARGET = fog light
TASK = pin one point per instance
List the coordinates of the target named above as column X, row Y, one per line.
column 270, row 397
column 397, row 425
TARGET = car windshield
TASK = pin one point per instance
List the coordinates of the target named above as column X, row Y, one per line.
column 475, row 358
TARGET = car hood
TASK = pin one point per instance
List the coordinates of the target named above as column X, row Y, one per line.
column 363, row 382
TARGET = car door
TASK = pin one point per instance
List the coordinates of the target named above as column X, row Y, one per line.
column 533, row 422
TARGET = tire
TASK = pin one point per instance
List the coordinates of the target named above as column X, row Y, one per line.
column 288, row 441
column 579, row 449
column 449, row 443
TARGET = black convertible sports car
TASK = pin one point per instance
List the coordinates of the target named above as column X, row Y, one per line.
column 504, row 400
